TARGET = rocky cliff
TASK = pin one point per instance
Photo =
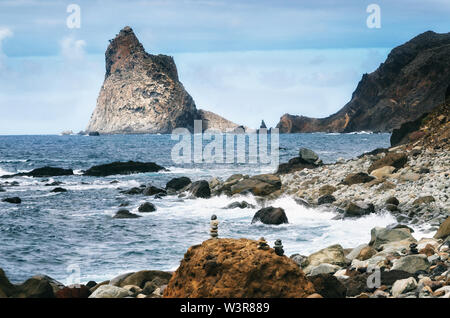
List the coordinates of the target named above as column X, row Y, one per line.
column 141, row 93
column 412, row 81
column 216, row 122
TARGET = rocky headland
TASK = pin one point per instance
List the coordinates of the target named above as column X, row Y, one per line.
column 142, row 93
column 412, row 81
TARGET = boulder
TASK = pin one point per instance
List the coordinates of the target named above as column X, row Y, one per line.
column 117, row 167
column 80, row 291
column 58, row 190
column 231, row 268
column 259, row 185
column 333, row 255
column 200, row 189
column 110, row 291
column 308, row 155
column 6, row 288
column 388, row 278
column 324, row 269
column 300, row 260
column 133, row 191
column 177, row 184
column 354, row 210
column 270, row 215
column 403, row 286
column 328, row 286
column 393, row 159
column 125, row 214
column 147, row 207
column 356, row 178
column 152, row 190
column 365, row 253
column 411, row 263
column 356, row 284
column 355, row 252
column 383, row 172
column 424, row 200
column 326, row 199
column 444, row 230
column 295, row 164
column 326, row 189
column 13, row 200
column 43, row 172
column 380, row 236
column 141, row 278
column 240, row 205
column 35, row 287
column 392, row 200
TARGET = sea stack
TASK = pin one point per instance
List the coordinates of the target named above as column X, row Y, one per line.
column 141, row 92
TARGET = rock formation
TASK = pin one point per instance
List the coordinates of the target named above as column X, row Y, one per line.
column 213, row 121
column 412, row 81
column 141, row 93
column 233, row 268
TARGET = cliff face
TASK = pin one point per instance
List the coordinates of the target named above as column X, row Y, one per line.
column 141, row 92
column 216, row 122
column 412, row 81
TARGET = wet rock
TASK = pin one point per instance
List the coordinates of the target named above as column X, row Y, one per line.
column 59, row 190
column 270, row 215
column 152, row 190
column 411, row 263
column 259, row 185
column 125, row 214
column 44, row 172
column 147, row 207
column 240, row 205
column 444, row 230
column 177, row 184
column 392, row 208
column 326, row 199
column 133, row 191
column 110, row 291
column 13, row 200
column 392, row 200
column 354, row 210
column 117, row 167
column 327, row 189
column 328, row 286
column 200, row 189
column 294, row 164
column 356, row 178
column 424, row 200
column 53, row 184
column 396, row 160
column 231, row 268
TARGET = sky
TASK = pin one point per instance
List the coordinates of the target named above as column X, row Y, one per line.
column 246, row 60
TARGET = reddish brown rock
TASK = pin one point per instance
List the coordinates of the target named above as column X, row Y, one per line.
column 444, row 230
column 396, row 160
column 73, row 292
column 237, row 268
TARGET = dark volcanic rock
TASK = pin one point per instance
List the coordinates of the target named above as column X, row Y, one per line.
column 200, row 189
column 44, row 172
column 80, row 291
column 151, row 190
column 259, row 185
column 147, row 207
column 177, row 184
column 270, row 215
column 396, row 160
column 328, row 286
column 14, row 200
column 58, row 190
column 401, row 135
column 129, row 167
column 240, row 205
column 415, row 73
column 125, row 214
column 133, row 191
column 354, row 210
column 325, row 199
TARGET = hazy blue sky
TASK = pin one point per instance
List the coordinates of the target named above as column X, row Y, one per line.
column 246, row 60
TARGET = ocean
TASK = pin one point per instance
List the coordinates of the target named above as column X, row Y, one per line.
column 58, row 233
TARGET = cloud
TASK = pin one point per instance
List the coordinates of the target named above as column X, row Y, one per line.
column 72, row 49
column 4, row 33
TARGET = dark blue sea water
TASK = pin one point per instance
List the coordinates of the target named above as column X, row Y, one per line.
column 53, row 233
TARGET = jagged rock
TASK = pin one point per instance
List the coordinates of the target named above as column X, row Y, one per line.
column 177, row 184
column 393, row 159
column 200, row 189
column 231, row 268
column 125, row 214
column 415, row 71
column 215, row 122
column 270, row 215
column 147, row 207
column 141, row 92
column 402, row 134
column 129, row 167
column 444, row 230
column 151, row 190
column 294, row 164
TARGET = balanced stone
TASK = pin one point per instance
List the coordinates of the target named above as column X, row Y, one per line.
column 214, row 227
column 262, row 244
column 278, row 248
